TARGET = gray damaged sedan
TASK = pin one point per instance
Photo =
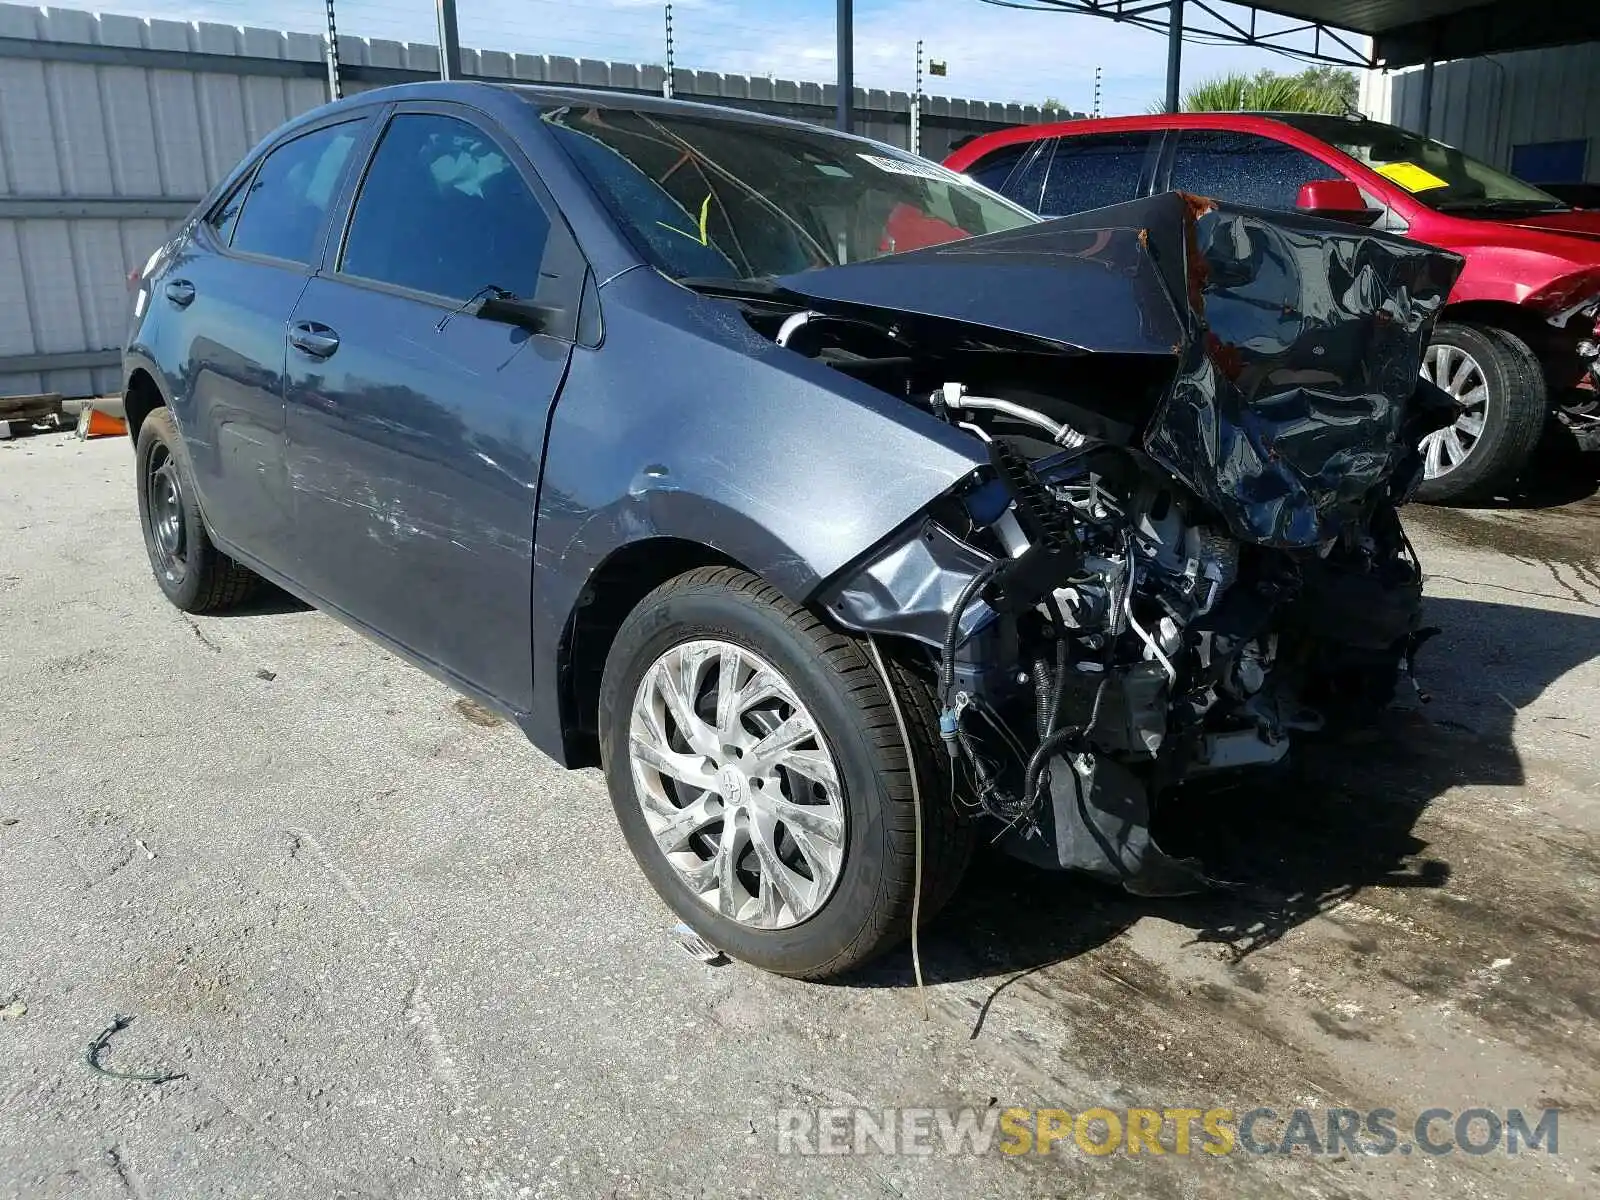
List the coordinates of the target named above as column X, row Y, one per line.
column 842, row 512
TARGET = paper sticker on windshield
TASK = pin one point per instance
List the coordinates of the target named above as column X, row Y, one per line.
column 1411, row 177
column 900, row 166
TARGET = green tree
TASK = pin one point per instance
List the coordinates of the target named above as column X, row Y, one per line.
column 1327, row 79
column 1316, row 89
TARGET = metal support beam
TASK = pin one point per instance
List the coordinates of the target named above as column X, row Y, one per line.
column 845, row 23
column 1224, row 25
column 449, row 41
column 46, row 208
column 335, row 83
column 1174, row 56
column 72, row 360
column 916, row 106
column 1426, row 122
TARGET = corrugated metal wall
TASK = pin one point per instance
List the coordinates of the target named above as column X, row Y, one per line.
column 111, row 127
column 1486, row 106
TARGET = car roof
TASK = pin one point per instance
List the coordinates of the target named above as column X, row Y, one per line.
column 1256, row 122
column 555, row 95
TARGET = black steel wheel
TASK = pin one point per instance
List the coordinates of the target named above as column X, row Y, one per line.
column 191, row 571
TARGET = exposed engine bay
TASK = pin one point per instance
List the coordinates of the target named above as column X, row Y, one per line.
column 1200, row 423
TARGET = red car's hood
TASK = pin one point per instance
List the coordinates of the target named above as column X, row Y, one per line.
column 1579, row 222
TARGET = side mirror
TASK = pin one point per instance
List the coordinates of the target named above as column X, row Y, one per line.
column 1337, row 200
column 510, row 310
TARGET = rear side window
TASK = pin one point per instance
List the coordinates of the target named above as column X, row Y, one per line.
column 443, row 210
column 994, row 168
column 1243, row 168
column 226, row 215
column 288, row 199
column 1093, row 171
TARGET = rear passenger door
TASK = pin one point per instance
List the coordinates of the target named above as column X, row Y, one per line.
column 1242, row 168
column 415, row 428
column 226, row 302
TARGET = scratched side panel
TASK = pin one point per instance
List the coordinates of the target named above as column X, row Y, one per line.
column 412, row 460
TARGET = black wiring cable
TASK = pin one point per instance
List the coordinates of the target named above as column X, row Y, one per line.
column 1044, row 691
column 998, row 724
column 952, row 631
column 1059, row 738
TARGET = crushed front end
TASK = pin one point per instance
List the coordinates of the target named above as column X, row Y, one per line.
column 1200, row 423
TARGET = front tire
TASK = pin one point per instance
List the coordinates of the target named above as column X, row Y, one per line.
column 191, row 571
column 1500, row 384
column 761, row 781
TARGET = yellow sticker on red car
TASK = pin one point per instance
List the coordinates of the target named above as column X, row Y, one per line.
column 1411, row 177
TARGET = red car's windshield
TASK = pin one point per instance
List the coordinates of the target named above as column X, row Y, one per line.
column 1440, row 176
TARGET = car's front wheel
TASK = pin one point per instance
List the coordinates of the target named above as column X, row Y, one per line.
column 761, row 780
column 1498, row 383
column 192, row 572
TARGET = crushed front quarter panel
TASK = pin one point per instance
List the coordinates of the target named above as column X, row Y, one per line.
column 1295, row 342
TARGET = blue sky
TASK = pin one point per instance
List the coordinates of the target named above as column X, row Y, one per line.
column 993, row 53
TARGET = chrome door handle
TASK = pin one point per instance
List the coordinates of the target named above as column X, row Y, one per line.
column 311, row 338
column 181, row 292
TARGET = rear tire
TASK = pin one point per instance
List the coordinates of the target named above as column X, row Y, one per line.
column 1489, row 447
column 191, row 571
column 718, row 615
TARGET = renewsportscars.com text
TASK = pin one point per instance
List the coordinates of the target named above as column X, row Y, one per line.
column 1213, row 1132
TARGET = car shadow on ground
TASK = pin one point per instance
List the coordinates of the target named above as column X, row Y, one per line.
column 1291, row 844
column 1560, row 473
column 269, row 600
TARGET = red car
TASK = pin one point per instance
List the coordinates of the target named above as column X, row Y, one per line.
column 1521, row 335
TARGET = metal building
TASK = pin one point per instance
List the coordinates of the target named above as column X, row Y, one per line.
column 1535, row 113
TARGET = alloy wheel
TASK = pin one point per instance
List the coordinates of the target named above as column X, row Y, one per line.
column 1458, row 373
column 738, row 786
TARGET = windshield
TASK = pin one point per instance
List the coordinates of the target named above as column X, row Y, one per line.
column 1440, row 176
column 726, row 199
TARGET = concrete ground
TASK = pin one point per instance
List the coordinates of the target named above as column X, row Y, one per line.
column 392, row 951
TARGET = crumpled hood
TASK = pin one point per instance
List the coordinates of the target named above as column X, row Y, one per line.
column 1295, row 342
column 1080, row 287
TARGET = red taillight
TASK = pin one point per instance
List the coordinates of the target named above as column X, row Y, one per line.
column 134, row 279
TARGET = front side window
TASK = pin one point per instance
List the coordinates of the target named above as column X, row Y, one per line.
column 1093, row 171
column 443, row 211
column 1244, row 168
column 287, row 200
column 1440, row 176
column 730, row 199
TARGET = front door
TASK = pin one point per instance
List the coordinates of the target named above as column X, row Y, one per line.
column 415, row 429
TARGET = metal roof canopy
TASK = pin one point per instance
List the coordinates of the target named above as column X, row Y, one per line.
column 1404, row 33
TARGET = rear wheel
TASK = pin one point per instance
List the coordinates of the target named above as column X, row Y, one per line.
column 761, row 780
column 1498, row 383
column 192, row 572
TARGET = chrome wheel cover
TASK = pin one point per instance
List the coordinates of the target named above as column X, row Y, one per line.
column 739, row 789
column 1457, row 372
